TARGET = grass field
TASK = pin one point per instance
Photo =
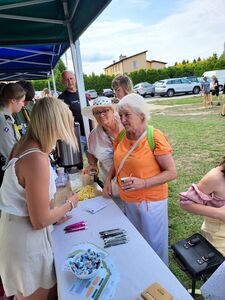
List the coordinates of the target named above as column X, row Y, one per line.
column 198, row 139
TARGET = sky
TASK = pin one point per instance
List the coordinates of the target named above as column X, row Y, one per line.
column 171, row 30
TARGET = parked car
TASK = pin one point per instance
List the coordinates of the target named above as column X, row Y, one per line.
column 38, row 94
column 172, row 86
column 88, row 96
column 107, row 93
column 144, row 89
column 193, row 79
column 93, row 93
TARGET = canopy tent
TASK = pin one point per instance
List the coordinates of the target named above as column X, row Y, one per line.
column 26, row 22
column 37, row 23
column 30, row 62
column 55, row 23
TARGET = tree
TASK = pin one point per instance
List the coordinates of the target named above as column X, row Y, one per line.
column 41, row 84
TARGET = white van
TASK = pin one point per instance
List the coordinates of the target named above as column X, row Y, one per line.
column 220, row 74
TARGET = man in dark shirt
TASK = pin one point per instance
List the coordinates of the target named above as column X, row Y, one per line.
column 71, row 97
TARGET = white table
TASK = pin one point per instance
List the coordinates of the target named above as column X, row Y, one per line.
column 138, row 264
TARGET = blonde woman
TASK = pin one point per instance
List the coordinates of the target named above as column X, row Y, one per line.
column 122, row 86
column 26, row 258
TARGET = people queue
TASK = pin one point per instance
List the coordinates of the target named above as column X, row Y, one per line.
column 123, row 150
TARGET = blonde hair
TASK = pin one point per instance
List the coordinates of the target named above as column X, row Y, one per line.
column 51, row 120
column 124, row 82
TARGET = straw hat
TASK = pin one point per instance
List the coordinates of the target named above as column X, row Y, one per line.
column 98, row 102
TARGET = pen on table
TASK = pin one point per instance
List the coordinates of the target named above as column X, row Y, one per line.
column 117, row 237
column 109, row 231
column 116, row 240
column 115, row 244
column 112, row 233
column 75, row 225
column 75, row 229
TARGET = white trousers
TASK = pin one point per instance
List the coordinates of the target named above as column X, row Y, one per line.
column 151, row 220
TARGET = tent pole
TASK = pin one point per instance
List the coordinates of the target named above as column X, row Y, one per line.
column 49, row 86
column 53, row 81
column 76, row 58
column 66, row 60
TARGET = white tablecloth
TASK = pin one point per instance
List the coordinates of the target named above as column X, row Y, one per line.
column 138, row 264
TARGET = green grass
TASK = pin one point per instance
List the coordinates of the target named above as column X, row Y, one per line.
column 171, row 101
column 199, row 144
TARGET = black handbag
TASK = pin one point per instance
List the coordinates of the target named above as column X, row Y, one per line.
column 197, row 256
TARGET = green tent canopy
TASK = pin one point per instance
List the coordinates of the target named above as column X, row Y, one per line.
column 29, row 22
column 34, row 34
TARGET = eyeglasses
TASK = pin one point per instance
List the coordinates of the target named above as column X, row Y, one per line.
column 99, row 112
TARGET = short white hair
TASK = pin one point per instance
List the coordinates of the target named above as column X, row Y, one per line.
column 136, row 103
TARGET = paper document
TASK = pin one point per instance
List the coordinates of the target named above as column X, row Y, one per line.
column 95, row 204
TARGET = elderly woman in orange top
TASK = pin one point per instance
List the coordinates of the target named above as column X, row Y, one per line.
column 142, row 174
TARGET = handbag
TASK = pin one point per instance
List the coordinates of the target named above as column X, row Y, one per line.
column 197, row 256
column 115, row 190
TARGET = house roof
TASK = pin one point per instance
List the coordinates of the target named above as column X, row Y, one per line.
column 161, row 62
column 125, row 59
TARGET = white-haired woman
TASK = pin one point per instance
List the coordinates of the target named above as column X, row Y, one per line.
column 26, row 258
column 142, row 174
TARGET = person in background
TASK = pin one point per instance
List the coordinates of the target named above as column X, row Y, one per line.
column 216, row 90
column 206, row 93
column 142, row 174
column 12, row 100
column 223, row 108
column 100, row 141
column 22, row 118
column 46, row 93
column 71, row 97
column 207, row 198
column 26, row 263
column 122, row 85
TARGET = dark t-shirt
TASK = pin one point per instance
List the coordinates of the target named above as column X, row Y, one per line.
column 73, row 100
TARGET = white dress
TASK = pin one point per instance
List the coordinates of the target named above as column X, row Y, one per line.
column 26, row 258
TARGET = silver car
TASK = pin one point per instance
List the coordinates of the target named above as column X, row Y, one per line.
column 172, row 86
column 93, row 94
column 144, row 89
